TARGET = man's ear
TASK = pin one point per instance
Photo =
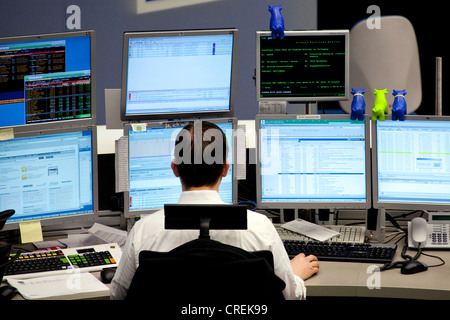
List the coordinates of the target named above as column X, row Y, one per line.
column 226, row 167
column 174, row 168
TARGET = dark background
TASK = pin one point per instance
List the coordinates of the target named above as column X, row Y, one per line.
column 431, row 24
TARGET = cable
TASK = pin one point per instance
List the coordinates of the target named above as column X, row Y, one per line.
column 399, row 264
column 394, row 235
column 432, row 256
column 15, row 257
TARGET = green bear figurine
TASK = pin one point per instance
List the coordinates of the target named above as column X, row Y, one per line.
column 380, row 106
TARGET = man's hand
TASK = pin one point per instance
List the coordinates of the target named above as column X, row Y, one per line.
column 305, row 266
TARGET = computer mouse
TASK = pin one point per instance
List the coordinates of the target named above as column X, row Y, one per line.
column 107, row 274
column 413, row 266
column 7, row 292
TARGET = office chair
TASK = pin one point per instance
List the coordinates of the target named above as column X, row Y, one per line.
column 205, row 269
column 385, row 58
column 6, row 249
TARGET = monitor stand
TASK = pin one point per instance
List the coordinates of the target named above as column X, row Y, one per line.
column 325, row 217
column 376, row 224
column 297, row 108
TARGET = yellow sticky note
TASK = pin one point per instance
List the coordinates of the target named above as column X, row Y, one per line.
column 6, row 134
column 30, row 231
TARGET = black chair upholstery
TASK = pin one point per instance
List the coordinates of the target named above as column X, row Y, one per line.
column 6, row 249
column 4, row 257
column 206, row 270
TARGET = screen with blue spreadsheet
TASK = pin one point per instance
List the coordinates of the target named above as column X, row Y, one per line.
column 47, row 78
column 312, row 162
column 48, row 176
column 306, row 66
column 412, row 163
column 152, row 182
column 178, row 74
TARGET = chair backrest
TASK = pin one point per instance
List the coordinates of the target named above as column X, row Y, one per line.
column 387, row 57
column 206, row 270
column 4, row 257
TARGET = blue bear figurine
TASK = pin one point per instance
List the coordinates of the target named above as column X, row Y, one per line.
column 358, row 104
column 276, row 21
column 399, row 105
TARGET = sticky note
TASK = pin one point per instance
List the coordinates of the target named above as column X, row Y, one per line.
column 6, row 134
column 30, row 231
column 139, row 126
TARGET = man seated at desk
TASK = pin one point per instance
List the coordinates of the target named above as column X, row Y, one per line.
column 200, row 185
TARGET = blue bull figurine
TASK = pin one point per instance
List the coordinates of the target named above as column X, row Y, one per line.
column 358, row 104
column 399, row 106
column 276, row 21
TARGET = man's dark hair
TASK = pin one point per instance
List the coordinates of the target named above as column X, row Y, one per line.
column 200, row 154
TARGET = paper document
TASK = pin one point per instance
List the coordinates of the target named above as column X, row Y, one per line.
column 109, row 234
column 309, row 229
column 64, row 286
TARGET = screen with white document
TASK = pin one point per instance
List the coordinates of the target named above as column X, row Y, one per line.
column 178, row 74
column 319, row 161
column 412, row 163
column 44, row 176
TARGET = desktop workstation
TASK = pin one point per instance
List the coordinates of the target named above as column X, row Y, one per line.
column 345, row 176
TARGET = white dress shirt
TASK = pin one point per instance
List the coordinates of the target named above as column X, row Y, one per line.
column 149, row 234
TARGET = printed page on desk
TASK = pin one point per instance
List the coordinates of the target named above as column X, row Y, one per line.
column 309, row 229
column 77, row 285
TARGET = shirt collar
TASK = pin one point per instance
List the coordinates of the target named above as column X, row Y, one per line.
column 200, row 196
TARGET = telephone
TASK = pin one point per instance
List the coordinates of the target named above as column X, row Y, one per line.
column 434, row 235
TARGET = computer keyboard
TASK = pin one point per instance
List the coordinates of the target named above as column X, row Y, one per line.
column 81, row 259
column 352, row 234
column 344, row 252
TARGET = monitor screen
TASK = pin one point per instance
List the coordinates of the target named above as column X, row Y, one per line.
column 178, row 74
column 304, row 66
column 49, row 175
column 411, row 163
column 316, row 162
column 152, row 183
column 47, row 78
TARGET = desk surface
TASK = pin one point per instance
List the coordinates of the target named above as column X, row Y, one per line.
column 349, row 279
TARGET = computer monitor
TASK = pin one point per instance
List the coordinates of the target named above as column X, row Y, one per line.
column 49, row 176
column 47, row 78
column 304, row 66
column 152, row 183
column 178, row 74
column 411, row 163
column 312, row 162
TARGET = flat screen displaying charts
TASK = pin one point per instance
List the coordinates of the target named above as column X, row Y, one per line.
column 412, row 163
column 312, row 162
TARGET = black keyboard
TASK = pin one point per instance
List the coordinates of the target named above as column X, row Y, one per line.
column 50, row 262
column 342, row 251
column 38, row 262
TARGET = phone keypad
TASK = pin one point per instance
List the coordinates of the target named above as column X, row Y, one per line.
column 439, row 235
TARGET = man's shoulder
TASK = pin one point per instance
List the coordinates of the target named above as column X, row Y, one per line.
column 152, row 219
column 259, row 221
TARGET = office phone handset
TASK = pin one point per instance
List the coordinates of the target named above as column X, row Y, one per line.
column 429, row 235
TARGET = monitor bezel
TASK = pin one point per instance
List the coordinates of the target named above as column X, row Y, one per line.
column 32, row 127
column 177, row 115
column 377, row 204
column 127, row 127
column 56, row 221
column 304, row 99
column 316, row 204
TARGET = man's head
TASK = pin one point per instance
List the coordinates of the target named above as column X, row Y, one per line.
column 200, row 155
